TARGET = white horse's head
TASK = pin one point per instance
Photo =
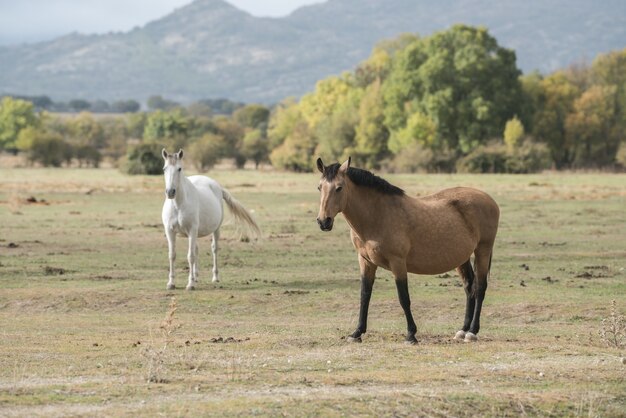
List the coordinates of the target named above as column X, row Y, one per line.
column 172, row 170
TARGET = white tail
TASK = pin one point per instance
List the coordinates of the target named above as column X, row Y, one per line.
column 241, row 214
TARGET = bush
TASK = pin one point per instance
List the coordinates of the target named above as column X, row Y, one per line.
column 207, row 151
column 49, row 149
column 144, row 159
column 529, row 157
column 88, row 155
column 484, row 159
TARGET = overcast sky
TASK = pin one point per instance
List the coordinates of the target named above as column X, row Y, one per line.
column 38, row 20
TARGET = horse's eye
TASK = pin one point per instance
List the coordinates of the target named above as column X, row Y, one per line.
column 338, row 189
column 179, row 168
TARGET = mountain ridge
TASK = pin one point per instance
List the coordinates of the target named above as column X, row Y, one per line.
column 210, row 48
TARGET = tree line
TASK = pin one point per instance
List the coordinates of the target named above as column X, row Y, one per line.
column 453, row 101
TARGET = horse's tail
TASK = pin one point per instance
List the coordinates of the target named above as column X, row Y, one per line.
column 241, row 214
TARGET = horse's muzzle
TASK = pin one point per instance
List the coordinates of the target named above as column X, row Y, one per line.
column 325, row 224
column 170, row 193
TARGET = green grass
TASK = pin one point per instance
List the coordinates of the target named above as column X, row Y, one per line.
column 83, row 278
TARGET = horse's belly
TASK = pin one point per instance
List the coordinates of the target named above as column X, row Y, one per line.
column 437, row 262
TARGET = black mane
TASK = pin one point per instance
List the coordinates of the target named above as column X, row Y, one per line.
column 363, row 178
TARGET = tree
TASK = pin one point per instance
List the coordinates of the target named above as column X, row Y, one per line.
column 255, row 147
column 233, row 135
column 420, row 129
column 592, row 129
column 296, row 152
column 159, row 103
column 166, row 128
column 79, row 105
column 461, row 79
column 371, row 134
column 125, row 106
column 84, row 130
column 555, row 103
column 252, row 116
column 513, row 133
column 15, row 115
column 49, row 149
column 206, row 151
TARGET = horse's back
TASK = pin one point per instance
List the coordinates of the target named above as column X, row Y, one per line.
column 476, row 207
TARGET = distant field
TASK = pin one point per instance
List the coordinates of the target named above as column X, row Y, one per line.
column 83, row 269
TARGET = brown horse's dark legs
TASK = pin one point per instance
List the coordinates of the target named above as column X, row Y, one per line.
column 480, row 296
column 467, row 275
column 482, row 264
column 402, row 285
column 367, row 285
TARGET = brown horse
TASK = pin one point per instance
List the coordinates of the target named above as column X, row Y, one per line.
column 427, row 235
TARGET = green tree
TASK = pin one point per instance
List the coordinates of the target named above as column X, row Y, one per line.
column 159, row 103
column 206, row 151
column 283, row 122
column 252, row 116
column 255, row 147
column 233, row 134
column 461, row 79
column 15, row 115
column 49, row 149
column 296, row 152
column 420, row 129
column 371, row 132
column 85, row 130
column 592, row 129
column 555, row 103
column 167, row 128
column 79, row 105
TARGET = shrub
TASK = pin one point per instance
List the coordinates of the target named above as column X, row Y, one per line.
column 49, row 149
column 207, row 151
column 528, row 157
column 484, row 159
column 144, row 159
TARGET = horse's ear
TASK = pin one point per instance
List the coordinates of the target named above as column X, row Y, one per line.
column 180, row 154
column 164, row 154
column 320, row 165
column 345, row 166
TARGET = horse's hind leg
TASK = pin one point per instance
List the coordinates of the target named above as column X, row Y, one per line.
column 214, row 247
column 467, row 275
column 482, row 264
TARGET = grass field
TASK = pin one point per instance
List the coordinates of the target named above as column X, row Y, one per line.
column 83, row 269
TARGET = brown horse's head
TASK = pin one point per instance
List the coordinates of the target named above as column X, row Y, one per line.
column 333, row 193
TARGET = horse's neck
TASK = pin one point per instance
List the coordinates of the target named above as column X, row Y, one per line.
column 184, row 193
column 366, row 210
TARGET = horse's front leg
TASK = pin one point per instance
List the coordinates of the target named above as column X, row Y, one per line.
column 192, row 258
column 368, row 275
column 214, row 247
column 402, row 285
column 171, row 253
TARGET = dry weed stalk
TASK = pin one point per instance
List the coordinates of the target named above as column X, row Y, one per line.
column 15, row 204
column 613, row 330
column 157, row 357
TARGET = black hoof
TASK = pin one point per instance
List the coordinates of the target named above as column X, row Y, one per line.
column 171, row 287
column 411, row 340
column 352, row 339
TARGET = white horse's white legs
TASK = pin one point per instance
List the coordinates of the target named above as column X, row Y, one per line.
column 192, row 258
column 216, row 236
column 171, row 247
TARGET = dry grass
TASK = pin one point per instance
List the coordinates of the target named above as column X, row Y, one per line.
column 84, row 297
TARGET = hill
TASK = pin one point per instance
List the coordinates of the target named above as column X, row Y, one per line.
column 212, row 49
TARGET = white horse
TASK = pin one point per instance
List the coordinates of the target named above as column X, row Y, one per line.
column 193, row 208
